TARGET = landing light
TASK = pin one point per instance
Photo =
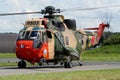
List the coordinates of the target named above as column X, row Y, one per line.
column 44, row 51
column 22, row 46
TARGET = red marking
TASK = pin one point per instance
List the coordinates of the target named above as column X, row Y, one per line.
column 25, row 51
column 93, row 40
column 91, row 28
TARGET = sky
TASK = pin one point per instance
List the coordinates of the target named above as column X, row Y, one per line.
column 84, row 18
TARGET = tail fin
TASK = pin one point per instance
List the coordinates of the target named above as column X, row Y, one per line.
column 99, row 30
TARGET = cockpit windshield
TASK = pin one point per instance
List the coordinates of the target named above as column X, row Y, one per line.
column 28, row 34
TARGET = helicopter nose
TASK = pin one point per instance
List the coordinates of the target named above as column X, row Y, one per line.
column 24, row 44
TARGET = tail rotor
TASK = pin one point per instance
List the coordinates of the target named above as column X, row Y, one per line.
column 106, row 19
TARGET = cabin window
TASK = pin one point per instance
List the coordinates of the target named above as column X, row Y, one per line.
column 67, row 40
column 43, row 22
column 49, row 35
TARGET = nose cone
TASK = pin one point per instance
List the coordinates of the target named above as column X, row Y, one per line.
column 24, row 49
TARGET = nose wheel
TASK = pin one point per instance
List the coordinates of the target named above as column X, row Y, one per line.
column 21, row 64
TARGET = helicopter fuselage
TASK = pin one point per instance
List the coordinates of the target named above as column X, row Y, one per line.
column 40, row 41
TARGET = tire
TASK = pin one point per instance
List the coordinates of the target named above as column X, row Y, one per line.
column 21, row 64
column 55, row 63
column 71, row 23
column 80, row 63
column 61, row 63
column 68, row 65
column 40, row 64
column 42, row 60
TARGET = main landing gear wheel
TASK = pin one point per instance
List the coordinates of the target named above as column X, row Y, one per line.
column 68, row 65
column 21, row 64
column 68, row 62
column 80, row 63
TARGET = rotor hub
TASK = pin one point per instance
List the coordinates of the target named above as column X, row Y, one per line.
column 50, row 10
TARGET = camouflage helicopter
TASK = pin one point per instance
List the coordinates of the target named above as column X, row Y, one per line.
column 53, row 39
column 49, row 39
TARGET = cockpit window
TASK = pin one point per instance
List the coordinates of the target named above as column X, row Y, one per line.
column 21, row 34
column 28, row 34
column 33, row 34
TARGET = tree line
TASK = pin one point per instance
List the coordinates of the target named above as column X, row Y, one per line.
column 112, row 38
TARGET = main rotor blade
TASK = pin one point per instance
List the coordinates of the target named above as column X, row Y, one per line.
column 64, row 10
column 23, row 13
column 92, row 8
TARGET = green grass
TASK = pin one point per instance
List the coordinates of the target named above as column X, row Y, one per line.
column 101, row 57
column 109, row 49
column 76, row 75
column 2, row 64
column 7, row 55
column 104, row 53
